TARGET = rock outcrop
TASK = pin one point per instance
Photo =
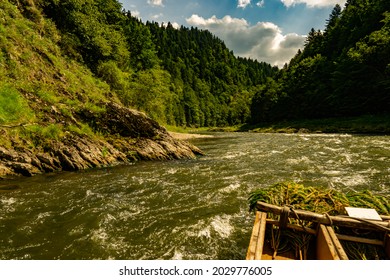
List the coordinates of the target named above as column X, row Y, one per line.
column 128, row 135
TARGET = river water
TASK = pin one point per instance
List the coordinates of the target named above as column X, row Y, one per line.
column 187, row 209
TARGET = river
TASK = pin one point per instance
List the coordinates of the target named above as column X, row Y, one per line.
column 187, row 209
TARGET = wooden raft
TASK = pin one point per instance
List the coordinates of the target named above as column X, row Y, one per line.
column 328, row 246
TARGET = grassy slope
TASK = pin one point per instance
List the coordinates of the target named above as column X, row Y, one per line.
column 38, row 86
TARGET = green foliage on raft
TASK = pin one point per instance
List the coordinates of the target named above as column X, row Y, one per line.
column 319, row 200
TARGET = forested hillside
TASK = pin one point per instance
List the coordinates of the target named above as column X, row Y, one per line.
column 213, row 86
column 184, row 77
column 342, row 71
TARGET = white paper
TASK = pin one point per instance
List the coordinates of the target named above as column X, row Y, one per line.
column 363, row 213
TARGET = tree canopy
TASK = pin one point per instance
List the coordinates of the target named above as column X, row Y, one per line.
column 341, row 71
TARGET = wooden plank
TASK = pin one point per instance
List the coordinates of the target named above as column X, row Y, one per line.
column 322, row 219
column 268, row 254
column 336, row 243
column 261, row 236
column 253, row 241
column 325, row 247
column 256, row 244
column 328, row 245
column 294, row 227
column 360, row 239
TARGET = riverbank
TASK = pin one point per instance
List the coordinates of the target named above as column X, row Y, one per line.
column 129, row 135
column 369, row 124
column 188, row 136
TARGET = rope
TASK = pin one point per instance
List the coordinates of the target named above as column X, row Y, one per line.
column 329, row 219
column 283, row 220
column 301, row 247
column 291, row 208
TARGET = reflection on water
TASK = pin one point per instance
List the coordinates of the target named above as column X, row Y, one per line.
column 189, row 209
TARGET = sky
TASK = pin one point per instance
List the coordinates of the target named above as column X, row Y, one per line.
column 267, row 30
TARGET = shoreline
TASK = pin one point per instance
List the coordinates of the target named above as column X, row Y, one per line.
column 188, row 136
column 366, row 124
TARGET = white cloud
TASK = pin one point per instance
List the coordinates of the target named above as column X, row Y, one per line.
column 264, row 41
column 174, row 25
column 260, row 3
column 135, row 13
column 156, row 3
column 243, row 3
column 157, row 16
column 216, row 22
column 314, row 3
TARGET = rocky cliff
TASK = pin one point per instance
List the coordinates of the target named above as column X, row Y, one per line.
column 127, row 135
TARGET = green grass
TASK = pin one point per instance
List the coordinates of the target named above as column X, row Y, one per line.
column 51, row 131
column 48, row 96
column 178, row 129
column 181, row 129
column 96, row 109
column 83, row 129
column 13, row 108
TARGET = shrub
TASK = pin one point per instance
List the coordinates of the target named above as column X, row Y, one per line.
column 111, row 74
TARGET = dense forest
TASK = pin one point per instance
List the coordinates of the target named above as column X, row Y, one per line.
column 188, row 77
column 342, row 71
column 181, row 77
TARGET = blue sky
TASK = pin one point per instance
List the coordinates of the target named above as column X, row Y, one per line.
column 266, row 30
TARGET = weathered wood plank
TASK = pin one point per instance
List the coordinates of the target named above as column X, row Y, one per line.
column 325, row 249
column 339, row 248
column 253, row 241
column 328, row 246
column 293, row 227
column 256, row 244
column 261, row 236
column 360, row 239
